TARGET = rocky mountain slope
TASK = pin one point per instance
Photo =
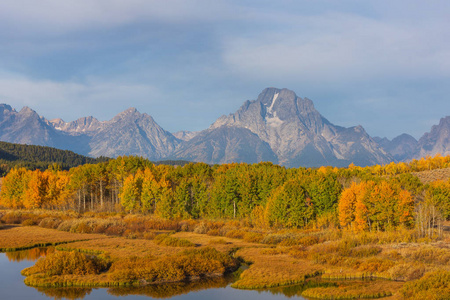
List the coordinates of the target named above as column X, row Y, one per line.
column 435, row 141
column 129, row 133
column 294, row 130
column 278, row 126
column 405, row 147
column 401, row 148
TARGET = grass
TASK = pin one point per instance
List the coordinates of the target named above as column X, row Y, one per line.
column 62, row 269
column 275, row 257
column 20, row 238
column 345, row 290
column 167, row 240
column 434, row 285
column 269, row 270
column 119, row 248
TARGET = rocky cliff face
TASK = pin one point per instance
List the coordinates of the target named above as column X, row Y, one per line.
column 405, row 147
column 402, row 148
column 185, row 135
column 80, row 126
column 129, row 133
column 435, row 141
column 299, row 135
column 132, row 133
column 26, row 127
column 225, row 145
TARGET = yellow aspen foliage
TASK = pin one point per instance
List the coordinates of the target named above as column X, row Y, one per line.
column 36, row 192
column 347, row 204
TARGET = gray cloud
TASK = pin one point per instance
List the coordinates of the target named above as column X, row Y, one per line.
column 382, row 64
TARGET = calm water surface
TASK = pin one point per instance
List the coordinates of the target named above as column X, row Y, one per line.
column 12, row 286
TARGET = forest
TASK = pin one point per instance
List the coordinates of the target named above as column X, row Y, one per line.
column 374, row 198
column 128, row 221
column 39, row 157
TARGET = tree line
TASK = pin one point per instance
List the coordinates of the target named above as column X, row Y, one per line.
column 39, row 157
column 359, row 198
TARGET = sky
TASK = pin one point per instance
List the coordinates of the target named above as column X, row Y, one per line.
column 381, row 64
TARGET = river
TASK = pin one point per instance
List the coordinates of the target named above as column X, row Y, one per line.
column 12, row 286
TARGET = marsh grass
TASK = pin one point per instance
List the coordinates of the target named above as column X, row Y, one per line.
column 272, row 270
column 77, row 269
column 167, row 240
column 277, row 257
column 20, row 238
column 67, row 263
column 434, row 286
column 358, row 290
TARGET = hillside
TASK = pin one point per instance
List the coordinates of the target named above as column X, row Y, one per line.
column 433, row 175
column 40, row 157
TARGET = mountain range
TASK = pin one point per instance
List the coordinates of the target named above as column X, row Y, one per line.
column 278, row 126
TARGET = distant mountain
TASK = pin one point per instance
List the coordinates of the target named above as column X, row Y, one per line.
column 278, row 126
column 131, row 132
column 295, row 131
column 435, row 141
column 224, row 145
column 128, row 133
column 25, row 127
column 185, row 135
column 82, row 125
column 401, row 148
column 405, row 147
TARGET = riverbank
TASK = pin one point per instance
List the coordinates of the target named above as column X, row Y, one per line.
column 276, row 258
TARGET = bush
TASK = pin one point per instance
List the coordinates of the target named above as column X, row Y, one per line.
column 376, row 265
column 67, row 263
column 29, row 222
column 166, row 240
column 253, row 237
column 213, row 232
column 407, row 272
column 235, row 234
column 365, row 251
column 190, row 263
column 308, row 240
column 149, row 235
column 217, row 242
column 431, row 256
column 434, row 285
column 51, row 223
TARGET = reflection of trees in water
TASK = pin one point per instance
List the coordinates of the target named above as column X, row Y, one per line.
column 65, row 293
column 171, row 289
column 29, row 254
column 296, row 290
column 155, row 291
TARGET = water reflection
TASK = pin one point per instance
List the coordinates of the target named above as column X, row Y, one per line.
column 162, row 291
column 29, row 254
column 65, row 293
column 12, row 287
column 296, row 290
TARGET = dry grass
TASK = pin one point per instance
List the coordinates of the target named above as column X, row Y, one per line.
column 277, row 258
column 344, row 290
column 119, row 248
column 226, row 244
column 17, row 238
column 269, row 270
column 433, row 175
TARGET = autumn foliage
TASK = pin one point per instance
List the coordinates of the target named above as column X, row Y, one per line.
column 263, row 194
column 371, row 205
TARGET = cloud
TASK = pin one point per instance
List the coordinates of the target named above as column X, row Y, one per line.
column 73, row 99
column 54, row 17
column 188, row 62
column 337, row 47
